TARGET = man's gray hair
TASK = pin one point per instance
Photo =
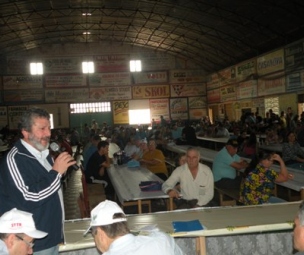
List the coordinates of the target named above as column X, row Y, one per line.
column 27, row 118
column 194, row 149
column 301, row 214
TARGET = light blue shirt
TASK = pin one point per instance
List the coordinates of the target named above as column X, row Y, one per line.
column 3, row 248
column 221, row 165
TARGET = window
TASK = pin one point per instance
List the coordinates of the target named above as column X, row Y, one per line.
column 88, row 67
column 36, row 68
column 135, row 66
column 90, row 107
column 139, row 117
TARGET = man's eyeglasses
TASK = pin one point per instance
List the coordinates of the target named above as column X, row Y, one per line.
column 29, row 244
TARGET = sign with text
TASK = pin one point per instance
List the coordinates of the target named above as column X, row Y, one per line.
column 295, row 81
column 228, row 93
column 110, row 93
column 29, row 95
column 186, row 90
column 271, row 62
column 14, row 115
column 150, row 77
column 159, row 107
column 185, row 76
column 62, row 81
column 271, row 84
column 178, row 108
column 3, row 116
column 110, row 79
column 294, row 55
column 247, row 89
column 17, row 66
column 213, row 96
column 22, row 82
column 120, row 112
column 66, row 95
column 197, row 102
column 112, row 63
column 213, row 81
column 62, row 65
column 197, row 114
column 227, row 76
column 154, row 60
column 153, row 91
column 246, row 70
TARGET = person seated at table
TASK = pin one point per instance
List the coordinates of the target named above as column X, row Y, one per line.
column 17, row 233
column 181, row 159
column 112, row 235
column 241, row 138
column 249, row 147
column 222, row 131
column 271, row 136
column 131, row 149
column 97, row 168
column 298, row 231
column 225, row 166
column 196, row 185
column 188, row 136
column 113, row 147
column 259, row 180
column 89, row 149
column 143, row 148
column 292, row 153
column 154, row 160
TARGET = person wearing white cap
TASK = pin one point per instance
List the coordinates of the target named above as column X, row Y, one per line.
column 112, row 235
column 17, row 233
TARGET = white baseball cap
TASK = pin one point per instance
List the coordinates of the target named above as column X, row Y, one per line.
column 103, row 214
column 16, row 221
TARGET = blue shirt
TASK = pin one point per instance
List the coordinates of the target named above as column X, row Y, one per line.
column 221, row 165
column 88, row 153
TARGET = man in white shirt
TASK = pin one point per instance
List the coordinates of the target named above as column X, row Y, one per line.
column 112, row 235
column 17, row 233
column 298, row 231
column 196, row 182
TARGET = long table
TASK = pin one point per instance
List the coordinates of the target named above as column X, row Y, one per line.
column 126, row 184
column 216, row 141
column 220, row 222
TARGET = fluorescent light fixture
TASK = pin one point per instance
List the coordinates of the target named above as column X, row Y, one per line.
column 135, row 66
column 86, row 14
column 36, row 68
column 86, row 33
column 88, row 67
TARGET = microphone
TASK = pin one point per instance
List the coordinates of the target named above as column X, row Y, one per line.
column 55, row 147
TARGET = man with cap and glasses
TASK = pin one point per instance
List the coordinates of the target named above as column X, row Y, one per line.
column 225, row 166
column 17, row 233
column 112, row 235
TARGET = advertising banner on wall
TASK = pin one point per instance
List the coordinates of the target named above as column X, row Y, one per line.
column 227, row 76
column 153, row 91
column 17, row 66
column 271, row 84
column 178, row 108
column 294, row 55
column 22, row 82
column 159, row 107
column 228, row 93
column 247, row 89
column 14, row 115
column 150, row 77
column 30, row 95
column 271, row 62
column 156, row 61
column 186, row 76
column 62, row 65
column 120, row 112
column 110, row 93
column 213, row 81
column 63, row 81
column 197, row 102
column 66, row 95
column 186, row 90
column 197, row 114
column 110, row 79
column 3, row 116
column 246, row 70
column 295, row 81
column 213, row 96
column 112, row 63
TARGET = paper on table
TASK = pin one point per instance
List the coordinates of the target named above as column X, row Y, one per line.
column 186, row 226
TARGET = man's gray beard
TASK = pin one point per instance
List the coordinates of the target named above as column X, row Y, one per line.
column 37, row 145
